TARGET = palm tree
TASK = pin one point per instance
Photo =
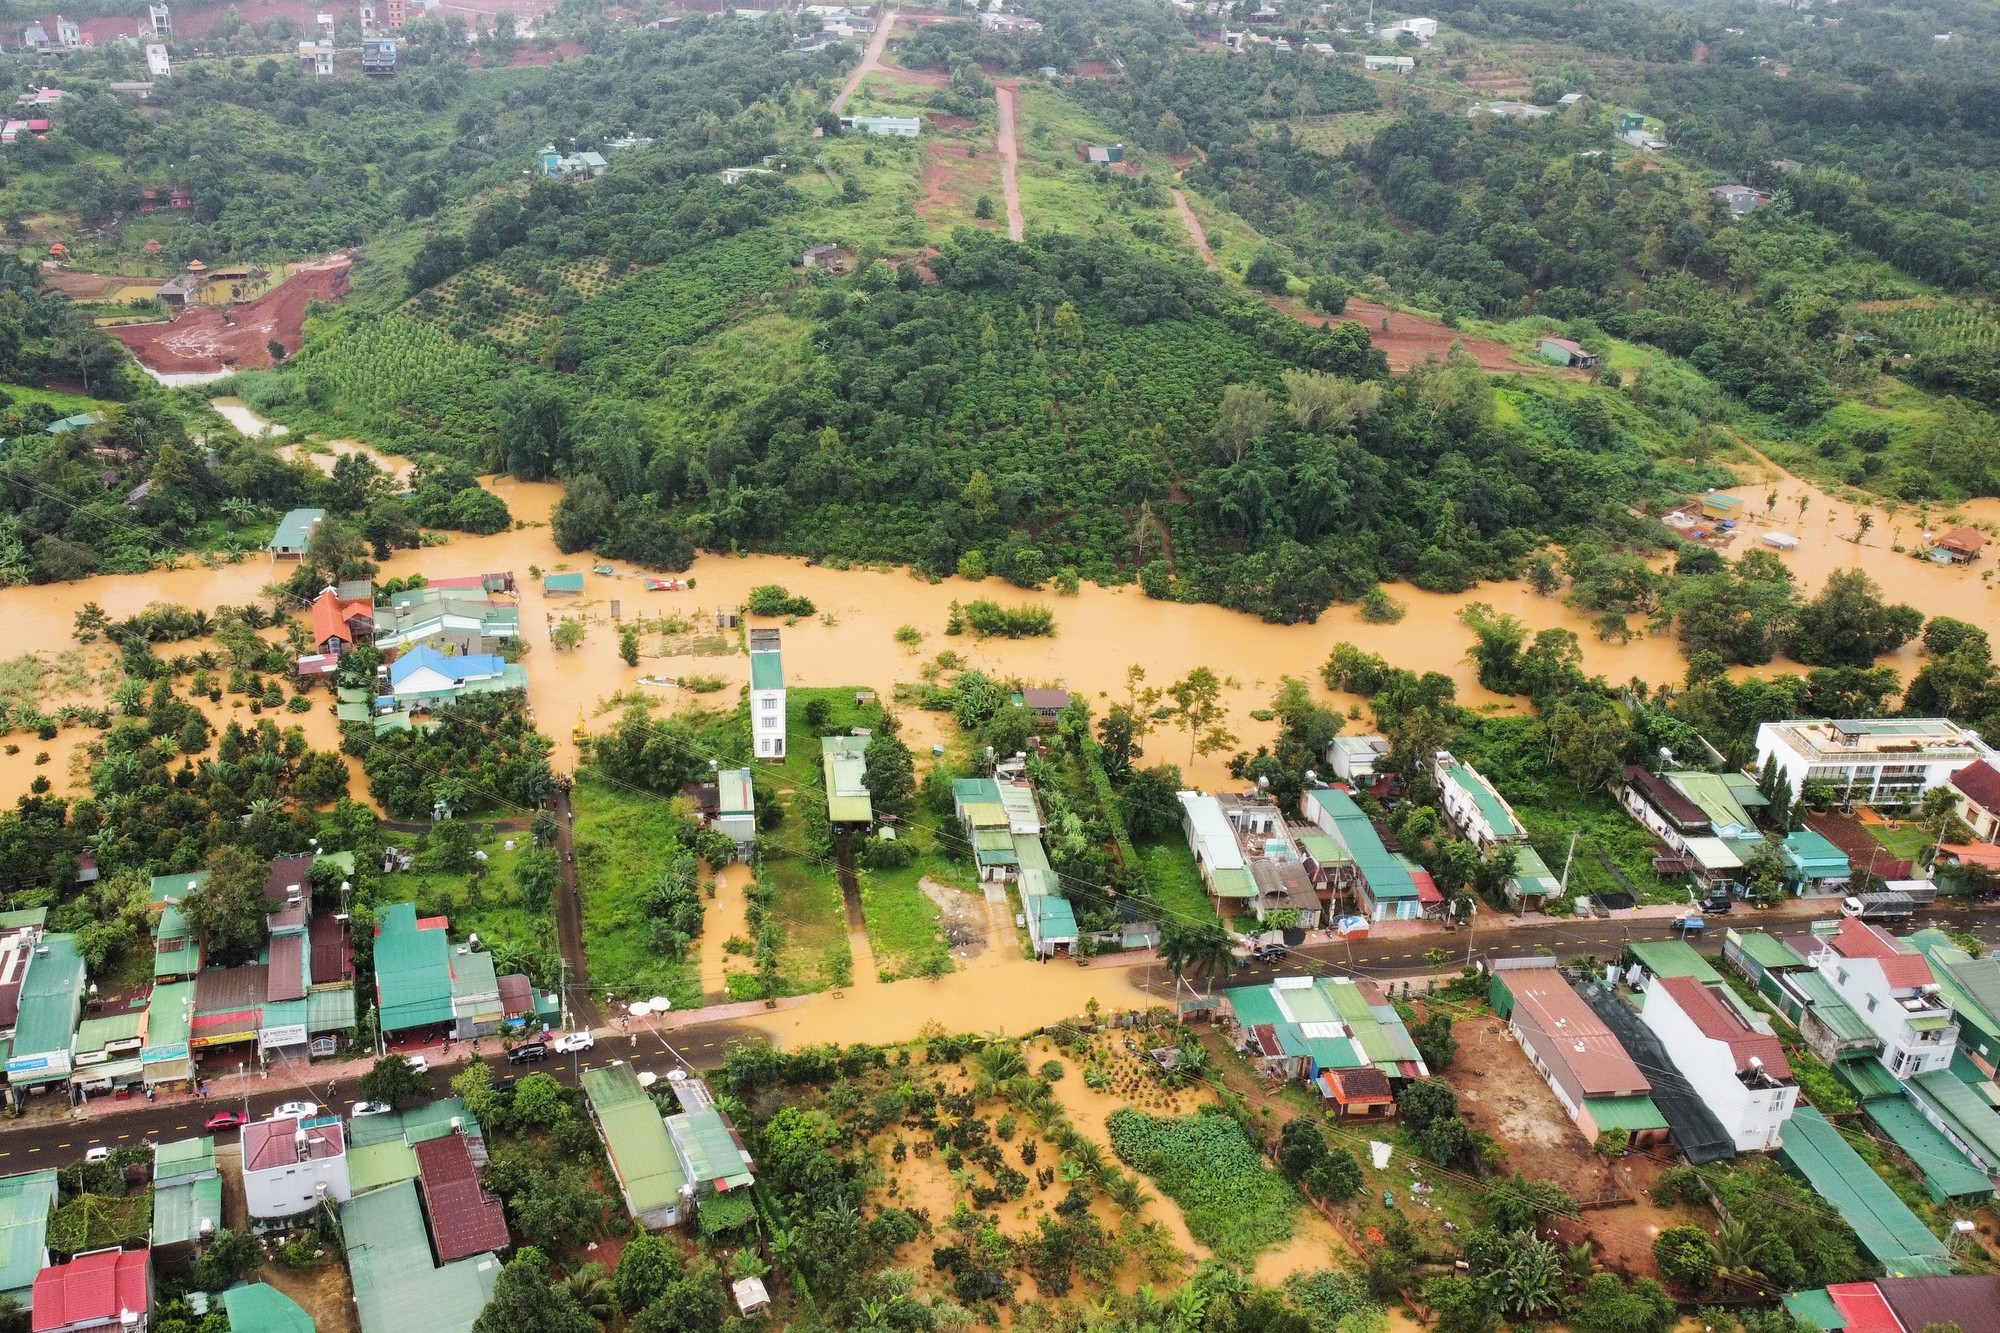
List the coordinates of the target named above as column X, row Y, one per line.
column 592, row 1290
column 999, row 1063
column 1205, row 948
column 747, row 1263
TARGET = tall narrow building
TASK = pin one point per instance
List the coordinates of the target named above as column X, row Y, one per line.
column 767, row 695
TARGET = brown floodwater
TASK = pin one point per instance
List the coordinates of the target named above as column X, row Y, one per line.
column 1100, row 632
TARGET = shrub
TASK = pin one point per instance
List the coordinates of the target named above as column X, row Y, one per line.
column 1233, row 1202
column 769, row 599
column 991, row 620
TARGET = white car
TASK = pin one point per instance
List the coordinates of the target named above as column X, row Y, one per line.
column 572, row 1041
column 296, row 1111
column 96, row 1155
column 418, row 1063
column 371, row 1108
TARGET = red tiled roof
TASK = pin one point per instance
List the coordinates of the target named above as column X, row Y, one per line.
column 1904, row 969
column 1717, row 1021
column 428, row 923
column 92, row 1289
column 1056, row 699
column 1577, row 1037
column 269, row 1144
column 1968, row 540
column 1427, row 889
column 1980, row 782
column 287, row 978
column 465, row 1219
column 332, row 618
column 1863, row 1308
column 1973, row 853
column 332, row 954
column 1352, row 1087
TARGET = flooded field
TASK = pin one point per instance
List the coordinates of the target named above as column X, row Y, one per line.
column 1100, row 632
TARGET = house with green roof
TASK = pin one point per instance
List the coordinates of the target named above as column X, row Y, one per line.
column 1888, row 1231
column 1383, row 886
column 1473, row 805
column 651, row 1179
column 1817, row 866
column 105, row 1052
column 176, row 945
column 45, row 1025
column 258, row 1307
column 381, row 1149
column 26, row 1201
column 1051, row 921
column 843, row 761
column 187, row 1200
column 767, row 695
column 1533, row 884
column 174, row 889
column 1325, row 1031
column 165, row 1058
column 988, row 827
column 1971, row 986
column 1217, row 853
column 1964, row 1117
column 294, row 532
column 396, row 1278
column 710, row 1155
column 412, row 970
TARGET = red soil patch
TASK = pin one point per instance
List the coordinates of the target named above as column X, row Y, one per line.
column 923, row 78
column 1092, row 69
column 1408, row 338
column 89, row 286
column 529, row 57
column 952, row 180
column 945, row 124
column 235, row 337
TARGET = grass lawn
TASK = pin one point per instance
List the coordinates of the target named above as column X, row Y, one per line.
column 1909, row 842
column 903, row 924
column 807, row 904
column 618, row 833
column 1176, row 883
column 490, row 906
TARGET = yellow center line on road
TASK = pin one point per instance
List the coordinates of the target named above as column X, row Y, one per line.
column 62, row 1145
column 124, row 1136
column 34, row 1150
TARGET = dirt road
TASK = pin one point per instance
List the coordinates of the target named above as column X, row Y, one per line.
column 569, row 915
column 1010, row 159
column 870, row 61
column 1193, row 225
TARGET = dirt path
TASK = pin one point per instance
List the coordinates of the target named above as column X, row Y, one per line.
column 870, row 62
column 569, row 915
column 1193, row 225
column 857, row 920
column 1010, row 160
column 728, row 916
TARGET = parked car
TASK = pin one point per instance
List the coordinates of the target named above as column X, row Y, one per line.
column 296, row 1111
column 1269, row 953
column 1690, row 925
column 572, row 1041
column 1718, row 902
column 371, row 1108
column 227, row 1120
column 530, row 1051
column 96, row 1155
column 418, row 1063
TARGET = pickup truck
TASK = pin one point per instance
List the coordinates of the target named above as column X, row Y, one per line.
column 1879, row 906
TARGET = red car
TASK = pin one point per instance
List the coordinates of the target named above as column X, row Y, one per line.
column 227, row 1120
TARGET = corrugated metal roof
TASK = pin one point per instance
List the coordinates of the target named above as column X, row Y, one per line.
column 1964, row 1111
column 1767, row 951
column 330, row 1010
column 767, row 669
column 1494, row 810
column 1674, row 958
column 380, row 1164
column 1947, row 1173
column 180, row 1209
column 50, row 996
column 1631, row 1114
column 168, row 1014
column 1829, row 1008
column 412, row 971
column 295, row 528
column 705, row 1143
column 1886, row 1227
column 183, row 1157
column 465, row 1219
column 176, row 947
column 635, row 1139
column 1716, row 799
column 261, row 1308
column 389, row 1257
column 1387, row 876
column 25, row 1204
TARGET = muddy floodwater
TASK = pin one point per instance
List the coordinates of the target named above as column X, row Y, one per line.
column 1100, row 632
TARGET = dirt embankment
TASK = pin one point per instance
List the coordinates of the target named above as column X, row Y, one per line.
column 236, row 337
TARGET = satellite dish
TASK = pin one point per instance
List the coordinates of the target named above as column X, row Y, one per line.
column 660, row 1004
column 639, row 1009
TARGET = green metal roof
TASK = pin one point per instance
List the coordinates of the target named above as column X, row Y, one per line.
column 1767, row 951
column 168, row 1017
column 572, row 582
column 330, row 1011
column 1324, row 849
column 1233, row 882
column 1474, row 784
column 1674, row 958
column 261, row 1308
column 1971, row 985
column 1866, row 1078
column 389, row 1257
column 704, row 1142
column 1532, row 873
column 1947, row 1173
column 415, row 1124
column 1714, row 795
column 1829, row 1008
column 183, row 1158
column 635, row 1138
column 1031, row 855
column 1961, row 1110
column 767, row 669
column 412, row 971
column 180, row 1209
column 170, row 960
column 1817, row 1310
column 176, row 888
column 50, row 997
column 1886, row 1227
column 842, row 765
column 295, row 528
column 1387, row 876
column 1054, row 918
column 1253, row 1005
column 380, row 1164
column 25, row 1204
column 95, row 1034
column 1631, row 1114
column 1815, row 857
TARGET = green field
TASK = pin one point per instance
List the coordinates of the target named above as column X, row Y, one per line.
column 617, row 834
column 1175, row 883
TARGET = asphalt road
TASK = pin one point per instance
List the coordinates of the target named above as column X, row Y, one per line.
column 33, row 1142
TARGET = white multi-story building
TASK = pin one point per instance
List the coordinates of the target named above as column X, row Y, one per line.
column 1421, row 29
column 158, row 64
column 767, row 695
column 1741, row 1074
column 1471, row 803
column 1890, row 987
column 1871, row 761
column 292, row 1166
